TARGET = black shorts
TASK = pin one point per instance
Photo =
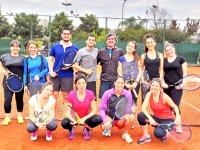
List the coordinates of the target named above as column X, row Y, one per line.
column 63, row 84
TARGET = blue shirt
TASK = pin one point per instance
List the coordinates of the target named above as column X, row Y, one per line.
column 34, row 69
column 58, row 52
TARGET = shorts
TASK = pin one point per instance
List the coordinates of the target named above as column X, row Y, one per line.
column 63, row 84
column 104, row 86
column 92, row 87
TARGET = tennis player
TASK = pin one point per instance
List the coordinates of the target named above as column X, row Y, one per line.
column 14, row 63
column 63, row 80
column 175, row 68
column 160, row 104
column 42, row 112
column 83, row 103
column 151, row 61
column 131, row 57
column 33, row 64
column 91, row 51
column 107, row 110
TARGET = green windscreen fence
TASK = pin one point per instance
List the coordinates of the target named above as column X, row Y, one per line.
column 189, row 51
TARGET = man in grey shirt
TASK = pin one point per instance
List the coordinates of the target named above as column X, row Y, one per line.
column 91, row 73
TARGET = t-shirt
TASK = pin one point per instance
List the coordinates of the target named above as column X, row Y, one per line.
column 38, row 111
column 82, row 108
column 173, row 70
column 83, row 52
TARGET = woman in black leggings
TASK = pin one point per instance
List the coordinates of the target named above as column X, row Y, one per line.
column 13, row 61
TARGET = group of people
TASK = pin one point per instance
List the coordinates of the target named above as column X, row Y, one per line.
column 79, row 92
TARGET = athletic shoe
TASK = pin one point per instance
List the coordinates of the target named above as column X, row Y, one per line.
column 20, row 119
column 71, row 135
column 34, row 136
column 86, row 134
column 48, row 135
column 164, row 139
column 106, row 132
column 6, row 121
column 127, row 138
column 144, row 139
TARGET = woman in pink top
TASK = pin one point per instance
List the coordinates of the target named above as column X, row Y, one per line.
column 83, row 103
column 160, row 104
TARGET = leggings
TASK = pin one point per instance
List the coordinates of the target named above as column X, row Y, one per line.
column 175, row 95
column 159, row 131
column 8, row 94
column 91, row 122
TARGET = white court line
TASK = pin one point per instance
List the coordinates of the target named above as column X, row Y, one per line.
column 191, row 105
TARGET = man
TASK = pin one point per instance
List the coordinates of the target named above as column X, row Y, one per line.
column 63, row 79
column 89, row 50
column 108, row 58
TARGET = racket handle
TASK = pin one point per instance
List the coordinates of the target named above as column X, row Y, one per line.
column 135, row 93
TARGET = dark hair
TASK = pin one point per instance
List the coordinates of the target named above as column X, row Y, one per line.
column 78, row 77
column 45, row 85
column 14, row 42
column 147, row 36
column 157, row 80
column 120, row 77
column 111, row 34
column 135, row 55
column 91, row 35
column 66, row 28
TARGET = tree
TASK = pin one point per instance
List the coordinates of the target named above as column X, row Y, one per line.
column 27, row 26
column 174, row 25
column 89, row 24
column 5, row 27
column 60, row 20
column 158, row 15
column 192, row 26
column 132, row 23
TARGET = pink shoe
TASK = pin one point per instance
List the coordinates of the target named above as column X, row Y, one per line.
column 34, row 136
column 48, row 135
column 86, row 134
column 71, row 135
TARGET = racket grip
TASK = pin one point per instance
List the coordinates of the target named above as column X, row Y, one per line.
column 135, row 93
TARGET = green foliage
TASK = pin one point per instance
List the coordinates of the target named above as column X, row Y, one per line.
column 57, row 24
column 4, row 27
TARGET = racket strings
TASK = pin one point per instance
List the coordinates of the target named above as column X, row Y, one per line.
column 88, row 62
column 130, row 72
column 14, row 83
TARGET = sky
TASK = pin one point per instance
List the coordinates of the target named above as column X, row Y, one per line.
column 178, row 9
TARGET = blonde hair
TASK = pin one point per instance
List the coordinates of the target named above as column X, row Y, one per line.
column 31, row 42
column 166, row 44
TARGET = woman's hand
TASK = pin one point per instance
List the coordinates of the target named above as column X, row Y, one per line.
column 164, row 85
column 152, row 122
column 37, row 78
column 40, row 125
column 107, row 125
column 134, row 85
column 177, row 120
column 26, row 88
column 82, row 121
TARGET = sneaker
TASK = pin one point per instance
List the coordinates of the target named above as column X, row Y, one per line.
column 20, row 119
column 6, row 121
column 144, row 139
column 48, row 135
column 86, row 134
column 71, row 135
column 164, row 139
column 106, row 132
column 127, row 138
column 34, row 136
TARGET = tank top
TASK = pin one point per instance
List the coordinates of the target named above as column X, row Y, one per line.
column 160, row 110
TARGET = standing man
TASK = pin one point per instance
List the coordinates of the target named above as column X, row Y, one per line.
column 89, row 50
column 63, row 80
column 108, row 58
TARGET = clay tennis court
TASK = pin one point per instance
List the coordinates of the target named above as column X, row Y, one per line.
column 15, row 137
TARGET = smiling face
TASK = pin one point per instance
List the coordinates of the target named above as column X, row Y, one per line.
column 155, row 87
column 150, row 43
column 47, row 90
column 32, row 49
column 66, row 35
column 91, row 41
column 131, row 47
column 111, row 41
column 170, row 51
column 81, row 84
column 119, row 84
column 15, row 48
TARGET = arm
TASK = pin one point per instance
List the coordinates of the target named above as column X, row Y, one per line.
column 51, row 60
column 119, row 69
column 184, row 68
column 3, row 70
column 25, row 72
column 161, row 66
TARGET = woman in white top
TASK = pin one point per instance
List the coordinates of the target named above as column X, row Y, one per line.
column 42, row 112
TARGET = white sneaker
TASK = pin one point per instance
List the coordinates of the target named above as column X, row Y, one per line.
column 48, row 135
column 127, row 138
column 34, row 136
column 106, row 132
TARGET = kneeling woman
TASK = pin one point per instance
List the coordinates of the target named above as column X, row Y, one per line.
column 42, row 112
column 107, row 107
column 83, row 103
column 160, row 104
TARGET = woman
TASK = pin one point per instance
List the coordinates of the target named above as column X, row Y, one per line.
column 151, row 62
column 35, row 66
column 131, row 57
column 13, row 61
column 107, row 108
column 160, row 104
column 42, row 112
column 175, row 68
column 83, row 103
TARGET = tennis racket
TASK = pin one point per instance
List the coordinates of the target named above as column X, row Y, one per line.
column 69, row 111
column 34, row 87
column 145, row 80
column 172, row 132
column 122, row 110
column 130, row 74
column 87, row 62
column 190, row 82
column 68, row 60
